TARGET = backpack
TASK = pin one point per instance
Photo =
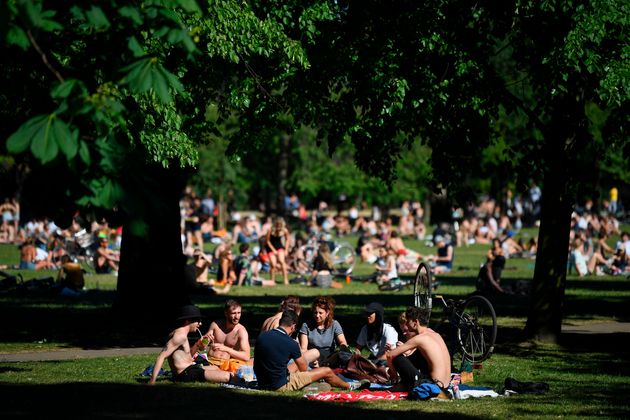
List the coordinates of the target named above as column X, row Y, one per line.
column 423, row 390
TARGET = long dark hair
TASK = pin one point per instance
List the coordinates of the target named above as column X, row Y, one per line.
column 375, row 329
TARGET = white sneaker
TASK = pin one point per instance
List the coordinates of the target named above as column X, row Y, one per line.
column 359, row 385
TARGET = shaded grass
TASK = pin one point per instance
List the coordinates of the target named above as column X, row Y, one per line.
column 588, row 374
column 582, row 384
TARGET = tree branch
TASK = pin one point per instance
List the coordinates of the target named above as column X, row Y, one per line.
column 44, row 58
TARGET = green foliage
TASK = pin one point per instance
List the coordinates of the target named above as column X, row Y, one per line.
column 136, row 96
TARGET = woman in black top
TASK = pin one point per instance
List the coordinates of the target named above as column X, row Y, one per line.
column 489, row 278
column 278, row 239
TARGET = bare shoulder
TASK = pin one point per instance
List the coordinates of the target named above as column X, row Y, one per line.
column 241, row 329
column 179, row 336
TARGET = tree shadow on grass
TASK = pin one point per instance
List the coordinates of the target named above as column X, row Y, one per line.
column 186, row 402
column 607, row 355
column 90, row 322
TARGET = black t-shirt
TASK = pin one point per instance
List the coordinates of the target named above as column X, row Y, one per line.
column 320, row 264
column 274, row 349
column 483, row 282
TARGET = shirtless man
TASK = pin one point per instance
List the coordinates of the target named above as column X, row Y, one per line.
column 431, row 360
column 229, row 338
column 106, row 260
column 290, row 303
column 28, row 255
column 179, row 354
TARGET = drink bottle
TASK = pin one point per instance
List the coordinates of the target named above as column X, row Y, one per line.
column 203, row 349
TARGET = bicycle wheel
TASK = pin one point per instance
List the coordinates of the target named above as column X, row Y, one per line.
column 422, row 288
column 343, row 258
column 87, row 259
column 476, row 328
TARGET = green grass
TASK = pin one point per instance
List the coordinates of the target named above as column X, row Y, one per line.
column 588, row 374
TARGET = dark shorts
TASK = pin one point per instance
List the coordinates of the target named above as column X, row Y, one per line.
column 102, row 269
column 193, row 373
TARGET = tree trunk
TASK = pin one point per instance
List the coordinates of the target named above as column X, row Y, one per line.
column 151, row 282
column 544, row 320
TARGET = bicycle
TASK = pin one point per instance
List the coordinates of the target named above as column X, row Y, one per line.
column 80, row 248
column 342, row 254
column 473, row 318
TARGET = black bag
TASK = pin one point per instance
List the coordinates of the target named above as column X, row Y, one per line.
column 519, row 387
column 9, row 281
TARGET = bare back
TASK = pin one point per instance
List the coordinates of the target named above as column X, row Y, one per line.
column 434, row 350
column 271, row 322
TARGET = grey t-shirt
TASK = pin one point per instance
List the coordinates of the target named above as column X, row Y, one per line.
column 322, row 340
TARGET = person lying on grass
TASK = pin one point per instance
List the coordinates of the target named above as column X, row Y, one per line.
column 178, row 352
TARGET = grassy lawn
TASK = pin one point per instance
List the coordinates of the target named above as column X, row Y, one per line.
column 588, row 374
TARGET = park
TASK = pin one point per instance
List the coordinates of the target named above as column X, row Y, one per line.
column 115, row 112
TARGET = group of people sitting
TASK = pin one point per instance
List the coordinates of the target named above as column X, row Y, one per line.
column 49, row 255
column 589, row 256
column 289, row 356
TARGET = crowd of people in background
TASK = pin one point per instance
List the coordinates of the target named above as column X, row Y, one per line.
column 276, row 245
column 43, row 245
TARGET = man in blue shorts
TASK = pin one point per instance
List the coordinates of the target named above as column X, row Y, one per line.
column 272, row 354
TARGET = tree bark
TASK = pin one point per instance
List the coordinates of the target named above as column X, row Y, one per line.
column 151, row 283
column 547, row 294
column 548, row 285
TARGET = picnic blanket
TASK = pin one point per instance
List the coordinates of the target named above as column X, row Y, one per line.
column 364, row 395
column 368, row 395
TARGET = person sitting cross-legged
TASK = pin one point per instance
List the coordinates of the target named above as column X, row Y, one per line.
column 273, row 352
column 106, row 260
column 229, row 340
column 430, row 361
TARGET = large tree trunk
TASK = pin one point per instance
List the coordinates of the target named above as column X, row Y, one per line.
column 151, row 282
column 567, row 139
column 547, row 295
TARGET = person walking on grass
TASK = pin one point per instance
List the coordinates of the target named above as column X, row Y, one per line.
column 179, row 354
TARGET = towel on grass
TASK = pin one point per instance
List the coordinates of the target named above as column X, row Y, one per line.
column 365, row 395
